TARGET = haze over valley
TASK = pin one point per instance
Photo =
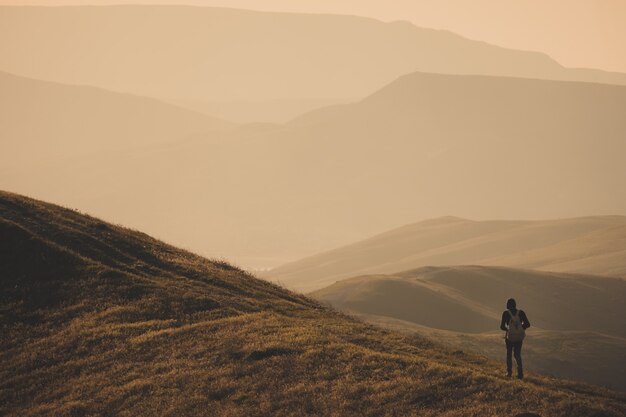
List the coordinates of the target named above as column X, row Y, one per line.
column 327, row 178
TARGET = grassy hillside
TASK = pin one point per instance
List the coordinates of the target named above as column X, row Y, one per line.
column 592, row 245
column 577, row 331
column 585, row 356
column 101, row 320
column 215, row 53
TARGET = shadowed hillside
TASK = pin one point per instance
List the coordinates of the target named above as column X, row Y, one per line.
column 576, row 332
column 480, row 147
column 594, row 245
column 101, row 320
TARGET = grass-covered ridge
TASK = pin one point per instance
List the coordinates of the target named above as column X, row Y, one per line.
column 101, row 320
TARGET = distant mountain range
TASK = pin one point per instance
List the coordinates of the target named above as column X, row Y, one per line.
column 475, row 146
column 576, row 328
column 101, row 320
column 201, row 53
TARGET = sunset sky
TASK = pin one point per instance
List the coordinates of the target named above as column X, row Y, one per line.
column 577, row 33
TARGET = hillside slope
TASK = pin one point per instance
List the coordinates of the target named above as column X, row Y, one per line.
column 214, row 53
column 98, row 319
column 427, row 144
column 592, row 245
column 576, row 326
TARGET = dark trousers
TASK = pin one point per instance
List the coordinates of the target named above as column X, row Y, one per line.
column 514, row 348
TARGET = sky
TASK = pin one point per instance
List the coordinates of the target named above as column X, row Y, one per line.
column 577, row 33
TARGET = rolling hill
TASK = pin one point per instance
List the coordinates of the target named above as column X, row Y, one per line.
column 476, row 146
column 576, row 327
column 201, row 53
column 98, row 319
column 593, row 245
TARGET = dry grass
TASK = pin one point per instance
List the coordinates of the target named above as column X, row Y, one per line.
column 101, row 320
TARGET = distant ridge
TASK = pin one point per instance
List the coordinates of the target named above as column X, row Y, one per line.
column 221, row 53
column 593, row 245
column 42, row 121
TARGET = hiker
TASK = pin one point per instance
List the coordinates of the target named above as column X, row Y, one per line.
column 514, row 323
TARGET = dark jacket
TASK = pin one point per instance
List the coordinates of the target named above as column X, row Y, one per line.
column 506, row 316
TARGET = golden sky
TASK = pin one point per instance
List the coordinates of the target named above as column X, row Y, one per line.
column 577, row 33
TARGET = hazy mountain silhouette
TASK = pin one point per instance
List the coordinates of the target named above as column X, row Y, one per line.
column 204, row 54
column 575, row 317
column 47, row 121
column 593, row 245
column 98, row 319
column 480, row 147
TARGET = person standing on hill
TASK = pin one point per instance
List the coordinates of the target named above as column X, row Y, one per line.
column 514, row 323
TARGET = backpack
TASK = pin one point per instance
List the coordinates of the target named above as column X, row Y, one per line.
column 516, row 332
